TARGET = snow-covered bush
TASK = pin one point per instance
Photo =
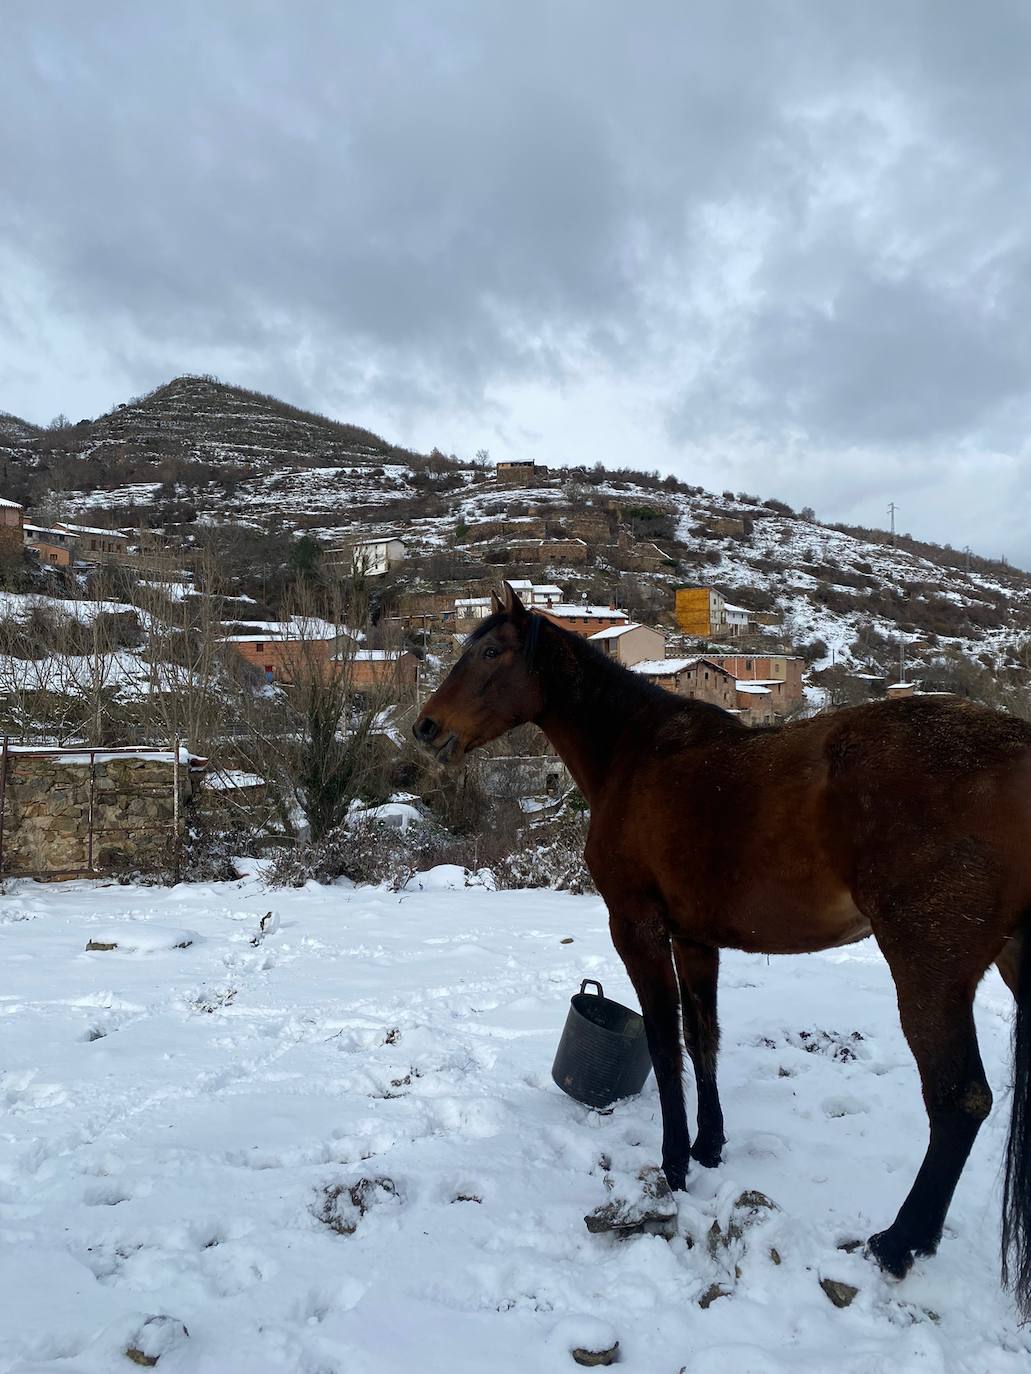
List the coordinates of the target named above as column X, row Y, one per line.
column 550, row 854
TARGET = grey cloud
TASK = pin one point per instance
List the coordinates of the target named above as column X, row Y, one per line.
column 794, row 219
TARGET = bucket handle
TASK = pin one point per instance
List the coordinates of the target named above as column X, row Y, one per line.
column 593, row 983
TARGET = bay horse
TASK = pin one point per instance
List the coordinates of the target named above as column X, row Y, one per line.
column 909, row 820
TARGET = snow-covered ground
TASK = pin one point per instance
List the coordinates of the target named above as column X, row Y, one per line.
column 175, row 1109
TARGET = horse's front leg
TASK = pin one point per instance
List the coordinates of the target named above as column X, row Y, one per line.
column 641, row 939
column 698, row 969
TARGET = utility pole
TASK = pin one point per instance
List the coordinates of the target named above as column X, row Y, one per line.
column 902, row 657
column 966, row 553
column 892, row 508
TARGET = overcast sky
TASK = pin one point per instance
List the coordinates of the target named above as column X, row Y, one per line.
column 784, row 247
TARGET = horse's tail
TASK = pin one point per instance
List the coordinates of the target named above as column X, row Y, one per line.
column 1016, row 1194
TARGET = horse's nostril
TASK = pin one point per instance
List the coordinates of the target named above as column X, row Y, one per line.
column 426, row 729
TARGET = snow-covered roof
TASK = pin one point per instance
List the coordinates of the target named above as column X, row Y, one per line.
column 376, row 655
column 11, row 505
column 587, row 612
column 42, row 529
column 737, row 610
column 614, row 631
column 89, row 529
column 753, row 689
column 662, row 667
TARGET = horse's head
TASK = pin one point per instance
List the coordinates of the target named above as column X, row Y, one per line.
column 491, row 689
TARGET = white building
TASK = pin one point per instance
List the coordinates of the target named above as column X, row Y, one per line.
column 375, row 557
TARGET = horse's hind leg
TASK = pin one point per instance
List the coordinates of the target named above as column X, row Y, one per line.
column 697, row 971
column 936, row 1008
column 642, row 942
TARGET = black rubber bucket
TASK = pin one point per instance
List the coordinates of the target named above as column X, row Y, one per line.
column 603, row 1054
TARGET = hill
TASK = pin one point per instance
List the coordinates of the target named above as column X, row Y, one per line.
column 197, row 455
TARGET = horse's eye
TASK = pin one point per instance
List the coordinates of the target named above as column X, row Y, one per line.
column 491, row 653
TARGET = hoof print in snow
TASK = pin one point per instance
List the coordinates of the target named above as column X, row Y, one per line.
column 466, row 1197
column 652, row 1211
column 840, row 1294
column 595, row 1358
column 714, row 1291
column 344, row 1204
column 155, row 1337
column 749, row 1208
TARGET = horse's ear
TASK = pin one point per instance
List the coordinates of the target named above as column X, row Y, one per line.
column 496, row 603
column 514, row 608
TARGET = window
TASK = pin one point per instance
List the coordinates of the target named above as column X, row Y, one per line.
column 258, row 648
column 748, row 665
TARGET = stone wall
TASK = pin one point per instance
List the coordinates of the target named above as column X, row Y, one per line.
column 52, row 801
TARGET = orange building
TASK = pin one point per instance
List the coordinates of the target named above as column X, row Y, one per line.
column 279, row 658
column 584, row 620
column 699, row 611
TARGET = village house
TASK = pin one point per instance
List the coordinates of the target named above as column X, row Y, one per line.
column 760, row 703
column 704, row 679
column 281, row 655
column 674, row 674
column 62, row 543
column 372, row 557
column 12, row 521
column 766, row 668
column 629, row 644
column 584, row 620
column 50, row 544
column 534, row 595
column 703, row 613
column 519, row 471
column 394, row 672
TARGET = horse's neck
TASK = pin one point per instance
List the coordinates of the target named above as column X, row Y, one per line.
column 589, row 705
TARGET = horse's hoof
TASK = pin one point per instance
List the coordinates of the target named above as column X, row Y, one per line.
column 893, row 1257
column 676, row 1176
column 709, row 1156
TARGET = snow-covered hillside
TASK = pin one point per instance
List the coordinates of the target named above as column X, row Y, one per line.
column 197, row 453
column 186, row 1116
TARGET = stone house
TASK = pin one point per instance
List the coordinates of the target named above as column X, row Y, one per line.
column 629, row 644
column 670, row 673
column 520, row 471
column 723, row 526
